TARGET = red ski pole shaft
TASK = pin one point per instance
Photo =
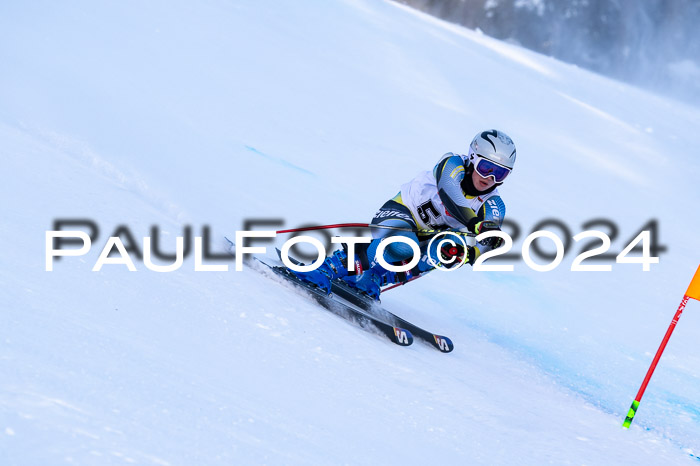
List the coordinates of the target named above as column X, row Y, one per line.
column 368, row 225
column 401, row 284
column 325, row 227
column 654, row 362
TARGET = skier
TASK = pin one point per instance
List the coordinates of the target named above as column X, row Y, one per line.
column 459, row 194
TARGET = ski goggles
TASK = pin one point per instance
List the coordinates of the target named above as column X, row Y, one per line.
column 486, row 168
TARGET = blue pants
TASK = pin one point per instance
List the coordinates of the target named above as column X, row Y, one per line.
column 392, row 214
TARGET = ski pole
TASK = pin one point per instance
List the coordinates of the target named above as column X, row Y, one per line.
column 400, row 284
column 324, row 227
column 403, row 283
column 369, row 225
column 692, row 292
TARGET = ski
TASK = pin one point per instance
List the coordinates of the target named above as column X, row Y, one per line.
column 345, row 291
column 347, row 311
column 398, row 335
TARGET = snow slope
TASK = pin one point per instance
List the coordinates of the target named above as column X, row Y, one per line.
column 164, row 114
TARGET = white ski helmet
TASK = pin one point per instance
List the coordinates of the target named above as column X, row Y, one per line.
column 496, row 147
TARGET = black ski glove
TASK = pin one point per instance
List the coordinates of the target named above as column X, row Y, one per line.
column 478, row 227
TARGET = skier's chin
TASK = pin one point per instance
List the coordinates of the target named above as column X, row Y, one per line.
column 483, row 186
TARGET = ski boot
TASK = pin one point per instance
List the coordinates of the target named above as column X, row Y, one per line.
column 371, row 280
column 335, row 266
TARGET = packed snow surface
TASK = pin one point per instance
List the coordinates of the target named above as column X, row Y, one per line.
column 212, row 113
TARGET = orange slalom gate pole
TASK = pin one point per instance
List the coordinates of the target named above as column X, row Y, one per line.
column 692, row 292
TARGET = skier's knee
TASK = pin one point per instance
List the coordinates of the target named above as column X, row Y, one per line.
column 395, row 251
column 398, row 251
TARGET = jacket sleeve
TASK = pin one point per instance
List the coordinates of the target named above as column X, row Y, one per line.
column 493, row 209
column 449, row 173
